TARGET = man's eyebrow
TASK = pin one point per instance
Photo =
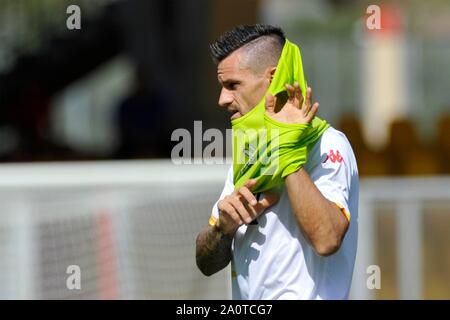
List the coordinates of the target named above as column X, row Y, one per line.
column 228, row 81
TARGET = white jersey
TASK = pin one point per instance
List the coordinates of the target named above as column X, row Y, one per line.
column 273, row 260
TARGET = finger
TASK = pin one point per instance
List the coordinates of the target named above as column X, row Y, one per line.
column 307, row 104
column 270, row 198
column 290, row 90
column 309, row 94
column 275, row 99
column 229, row 213
column 250, row 183
column 298, row 96
column 270, row 103
column 247, row 195
column 312, row 112
column 251, row 210
column 241, row 210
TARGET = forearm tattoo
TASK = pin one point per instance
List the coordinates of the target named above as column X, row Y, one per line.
column 213, row 250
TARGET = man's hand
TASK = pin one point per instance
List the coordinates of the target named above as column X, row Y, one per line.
column 294, row 111
column 242, row 207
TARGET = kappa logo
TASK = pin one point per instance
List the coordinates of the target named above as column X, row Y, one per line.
column 334, row 157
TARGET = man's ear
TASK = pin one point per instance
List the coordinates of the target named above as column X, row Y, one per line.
column 271, row 73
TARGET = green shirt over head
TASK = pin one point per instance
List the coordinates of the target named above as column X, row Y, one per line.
column 268, row 150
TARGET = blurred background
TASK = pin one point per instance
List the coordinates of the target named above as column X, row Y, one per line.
column 86, row 118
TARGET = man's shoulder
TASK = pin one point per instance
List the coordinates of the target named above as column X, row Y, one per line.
column 333, row 139
column 333, row 146
column 334, row 136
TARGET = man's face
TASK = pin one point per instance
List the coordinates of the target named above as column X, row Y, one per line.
column 242, row 88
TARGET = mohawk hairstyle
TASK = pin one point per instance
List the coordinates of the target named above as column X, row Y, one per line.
column 240, row 36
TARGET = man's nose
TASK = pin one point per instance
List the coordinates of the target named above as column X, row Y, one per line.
column 225, row 98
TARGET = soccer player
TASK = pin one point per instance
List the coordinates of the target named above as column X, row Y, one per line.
column 298, row 239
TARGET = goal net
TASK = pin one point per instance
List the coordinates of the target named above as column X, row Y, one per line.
column 106, row 230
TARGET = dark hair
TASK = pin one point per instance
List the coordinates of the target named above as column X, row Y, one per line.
column 240, row 36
